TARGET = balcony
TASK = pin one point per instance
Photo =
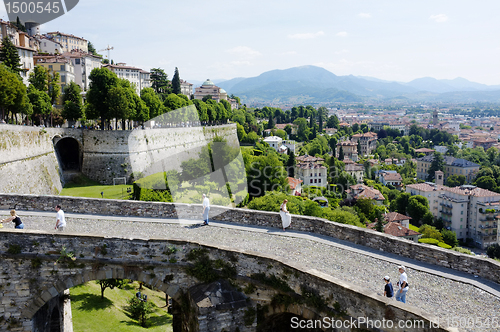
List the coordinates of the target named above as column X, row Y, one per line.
column 494, row 226
column 483, row 235
column 449, row 206
column 446, row 212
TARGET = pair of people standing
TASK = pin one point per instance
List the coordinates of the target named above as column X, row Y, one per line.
column 402, row 286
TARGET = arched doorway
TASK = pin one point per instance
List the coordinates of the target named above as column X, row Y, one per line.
column 68, row 153
column 55, row 320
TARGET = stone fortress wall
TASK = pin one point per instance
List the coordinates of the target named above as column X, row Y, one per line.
column 30, row 164
column 99, row 257
column 484, row 267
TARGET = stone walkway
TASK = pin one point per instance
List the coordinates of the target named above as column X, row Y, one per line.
column 445, row 293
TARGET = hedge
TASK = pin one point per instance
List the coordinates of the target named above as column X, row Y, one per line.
column 429, row 241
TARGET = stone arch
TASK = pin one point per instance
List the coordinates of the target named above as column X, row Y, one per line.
column 69, row 153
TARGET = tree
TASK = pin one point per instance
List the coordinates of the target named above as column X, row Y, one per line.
column 290, row 164
column 437, row 164
column 12, row 93
column 266, row 173
column 140, row 310
column 159, row 80
column 449, row 237
column 379, row 226
column 176, row 82
column 39, row 78
column 455, row 180
column 430, row 232
column 270, row 124
column 302, row 129
column 152, row 101
column 493, row 251
column 486, row 182
column 91, row 48
column 42, row 105
column 72, row 102
column 102, row 81
column 341, row 154
column 54, row 88
column 333, row 122
column 417, row 208
column 9, row 56
column 400, row 203
column 110, row 283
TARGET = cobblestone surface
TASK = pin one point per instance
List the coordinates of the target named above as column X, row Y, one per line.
column 444, row 298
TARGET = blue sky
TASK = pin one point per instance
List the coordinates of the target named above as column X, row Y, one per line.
column 222, row 39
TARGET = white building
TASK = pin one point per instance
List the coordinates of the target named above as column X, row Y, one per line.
column 50, row 46
column 83, row 63
column 274, row 141
column 357, row 171
column 136, row 76
column 69, row 42
column 390, row 177
column 312, row 174
column 469, row 211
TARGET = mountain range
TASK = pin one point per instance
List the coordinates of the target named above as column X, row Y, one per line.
column 312, row 84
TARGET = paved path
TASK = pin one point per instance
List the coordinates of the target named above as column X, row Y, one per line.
column 440, row 291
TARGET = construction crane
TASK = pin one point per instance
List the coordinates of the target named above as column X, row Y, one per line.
column 107, row 49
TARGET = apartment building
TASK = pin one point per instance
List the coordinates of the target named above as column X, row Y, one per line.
column 469, row 211
column 139, row 78
column 452, row 166
column 368, row 142
column 349, row 148
column 312, row 174
column 59, row 64
column 186, row 88
column 69, row 42
column 26, row 47
column 83, row 64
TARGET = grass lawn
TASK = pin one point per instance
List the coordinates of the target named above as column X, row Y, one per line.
column 84, row 187
column 93, row 314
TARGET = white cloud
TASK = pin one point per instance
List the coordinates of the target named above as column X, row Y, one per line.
column 241, row 63
column 289, row 53
column 341, row 34
column 244, row 52
column 365, row 15
column 306, row 35
column 439, row 18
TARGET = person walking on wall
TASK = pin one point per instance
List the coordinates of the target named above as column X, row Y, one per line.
column 15, row 219
column 403, row 285
column 60, row 221
column 388, row 289
column 206, row 209
column 286, row 218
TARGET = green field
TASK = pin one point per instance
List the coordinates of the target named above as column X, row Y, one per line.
column 84, row 187
column 91, row 313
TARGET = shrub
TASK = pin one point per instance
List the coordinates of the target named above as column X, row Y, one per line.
column 462, row 250
column 493, row 251
column 429, row 241
column 140, row 310
column 444, row 245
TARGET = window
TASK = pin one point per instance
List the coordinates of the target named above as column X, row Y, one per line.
column 62, row 68
column 77, row 61
column 461, row 212
column 315, row 180
column 319, row 181
column 50, row 66
column 311, row 181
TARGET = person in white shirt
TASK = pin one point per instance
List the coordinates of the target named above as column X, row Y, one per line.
column 60, row 221
column 403, row 285
column 206, row 209
column 286, row 218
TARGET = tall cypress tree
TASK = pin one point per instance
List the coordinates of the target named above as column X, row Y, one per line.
column 291, row 163
column 9, row 55
column 341, row 154
column 176, row 82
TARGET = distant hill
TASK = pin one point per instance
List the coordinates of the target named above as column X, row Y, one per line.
column 317, row 85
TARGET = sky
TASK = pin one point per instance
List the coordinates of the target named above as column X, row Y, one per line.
column 222, row 39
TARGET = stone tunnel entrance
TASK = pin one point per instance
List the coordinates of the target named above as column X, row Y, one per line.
column 68, row 153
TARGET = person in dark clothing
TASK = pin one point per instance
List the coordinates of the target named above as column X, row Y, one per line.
column 15, row 219
column 388, row 290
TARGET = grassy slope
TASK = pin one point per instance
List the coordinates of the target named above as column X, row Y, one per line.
column 84, row 187
column 93, row 314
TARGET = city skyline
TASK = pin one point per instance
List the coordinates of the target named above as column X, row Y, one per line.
column 223, row 39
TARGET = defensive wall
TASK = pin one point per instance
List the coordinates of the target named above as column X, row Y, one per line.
column 484, row 267
column 33, row 159
column 36, row 268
